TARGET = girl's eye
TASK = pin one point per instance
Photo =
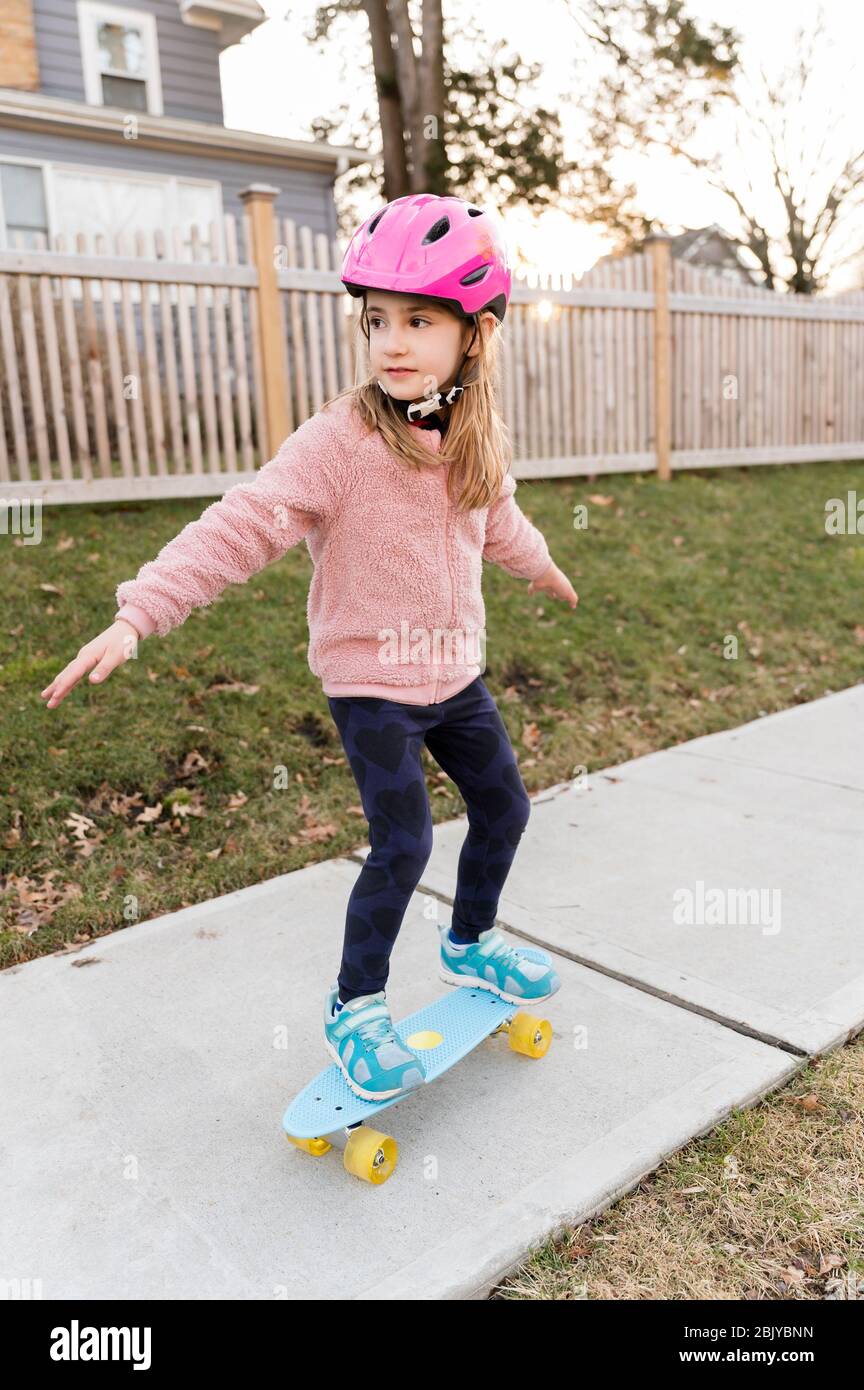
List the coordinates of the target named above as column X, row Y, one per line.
column 416, row 319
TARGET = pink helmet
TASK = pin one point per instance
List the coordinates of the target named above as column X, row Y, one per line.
column 444, row 248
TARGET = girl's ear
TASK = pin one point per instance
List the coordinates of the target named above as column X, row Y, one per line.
column 487, row 327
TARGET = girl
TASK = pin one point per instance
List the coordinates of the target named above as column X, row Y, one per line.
column 397, row 522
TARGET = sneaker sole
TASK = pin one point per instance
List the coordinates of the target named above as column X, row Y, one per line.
column 449, row 978
column 358, row 1089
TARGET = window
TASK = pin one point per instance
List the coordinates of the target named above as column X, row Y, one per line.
column 120, row 56
column 110, row 201
column 23, row 210
column 39, row 199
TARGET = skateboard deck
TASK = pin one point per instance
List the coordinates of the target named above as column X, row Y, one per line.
column 442, row 1032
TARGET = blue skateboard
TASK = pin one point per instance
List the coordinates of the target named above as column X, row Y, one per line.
column 327, row 1112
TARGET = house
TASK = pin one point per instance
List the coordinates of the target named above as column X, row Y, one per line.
column 712, row 249
column 708, row 247
column 111, row 121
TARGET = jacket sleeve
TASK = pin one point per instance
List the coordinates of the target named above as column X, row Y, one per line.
column 511, row 540
column 250, row 526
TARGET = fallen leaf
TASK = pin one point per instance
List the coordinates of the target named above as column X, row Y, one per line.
column 830, row 1262
column 809, row 1102
column 313, row 831
column 194, row 762
column 233, row 686
column 36, row 902
column 186, row 803
column 531, row 736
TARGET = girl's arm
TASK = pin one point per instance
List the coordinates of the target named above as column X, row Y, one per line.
column 518, row 547
column 511, row 540
column 253, row 524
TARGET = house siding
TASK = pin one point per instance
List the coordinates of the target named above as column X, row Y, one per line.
column 188, row 57
column 306, row 197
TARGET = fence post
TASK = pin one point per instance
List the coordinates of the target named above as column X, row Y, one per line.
column 660, row 243
column 258, row 201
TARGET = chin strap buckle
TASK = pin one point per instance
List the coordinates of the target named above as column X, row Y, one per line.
column 418, row 409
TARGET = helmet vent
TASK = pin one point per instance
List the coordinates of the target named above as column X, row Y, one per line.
column 475, row 212
column 436, row 231
column 474, row 276
column 373, row 224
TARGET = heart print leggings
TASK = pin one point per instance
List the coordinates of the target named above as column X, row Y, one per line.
column 383, row 741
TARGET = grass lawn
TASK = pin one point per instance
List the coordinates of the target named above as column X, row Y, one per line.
column 211, row 762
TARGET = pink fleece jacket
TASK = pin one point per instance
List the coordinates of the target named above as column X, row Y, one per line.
column 395, row 608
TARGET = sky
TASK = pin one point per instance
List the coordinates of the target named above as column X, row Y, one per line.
column 276, row 82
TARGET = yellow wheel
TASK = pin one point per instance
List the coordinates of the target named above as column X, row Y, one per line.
column 309, row 1146
column 529, row 1035
column 370, row 1155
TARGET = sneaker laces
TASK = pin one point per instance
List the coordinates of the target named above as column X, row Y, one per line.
column 501, row 950
column 507, row 954
column 376, row 1029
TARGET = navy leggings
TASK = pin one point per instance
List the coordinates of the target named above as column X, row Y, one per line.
column 383, row 741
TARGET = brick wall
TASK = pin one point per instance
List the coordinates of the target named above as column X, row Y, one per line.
column 19, row 66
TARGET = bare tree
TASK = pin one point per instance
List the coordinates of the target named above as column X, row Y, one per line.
column 792, row 197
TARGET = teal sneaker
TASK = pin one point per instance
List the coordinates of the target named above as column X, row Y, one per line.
column 516, row 975
column 363, row 1043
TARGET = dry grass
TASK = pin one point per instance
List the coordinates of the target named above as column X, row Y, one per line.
column 769, row 1205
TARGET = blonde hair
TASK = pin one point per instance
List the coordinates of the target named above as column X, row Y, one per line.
column 477, row 444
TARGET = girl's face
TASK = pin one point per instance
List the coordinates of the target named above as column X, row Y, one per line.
column 423, row 338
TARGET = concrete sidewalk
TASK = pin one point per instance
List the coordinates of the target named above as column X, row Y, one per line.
column 144, row 1083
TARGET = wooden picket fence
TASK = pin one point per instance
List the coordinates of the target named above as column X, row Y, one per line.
column 132, row 370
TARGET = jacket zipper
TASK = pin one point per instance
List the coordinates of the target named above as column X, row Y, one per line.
column 449, row 580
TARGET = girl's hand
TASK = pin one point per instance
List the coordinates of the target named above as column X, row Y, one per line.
column 111, row 648
column 553, row 582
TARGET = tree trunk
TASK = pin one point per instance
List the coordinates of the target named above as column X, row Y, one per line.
column 408, row 77
column 390, row 110
column 433, row 97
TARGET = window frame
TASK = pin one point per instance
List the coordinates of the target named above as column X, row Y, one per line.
column 93, row 12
